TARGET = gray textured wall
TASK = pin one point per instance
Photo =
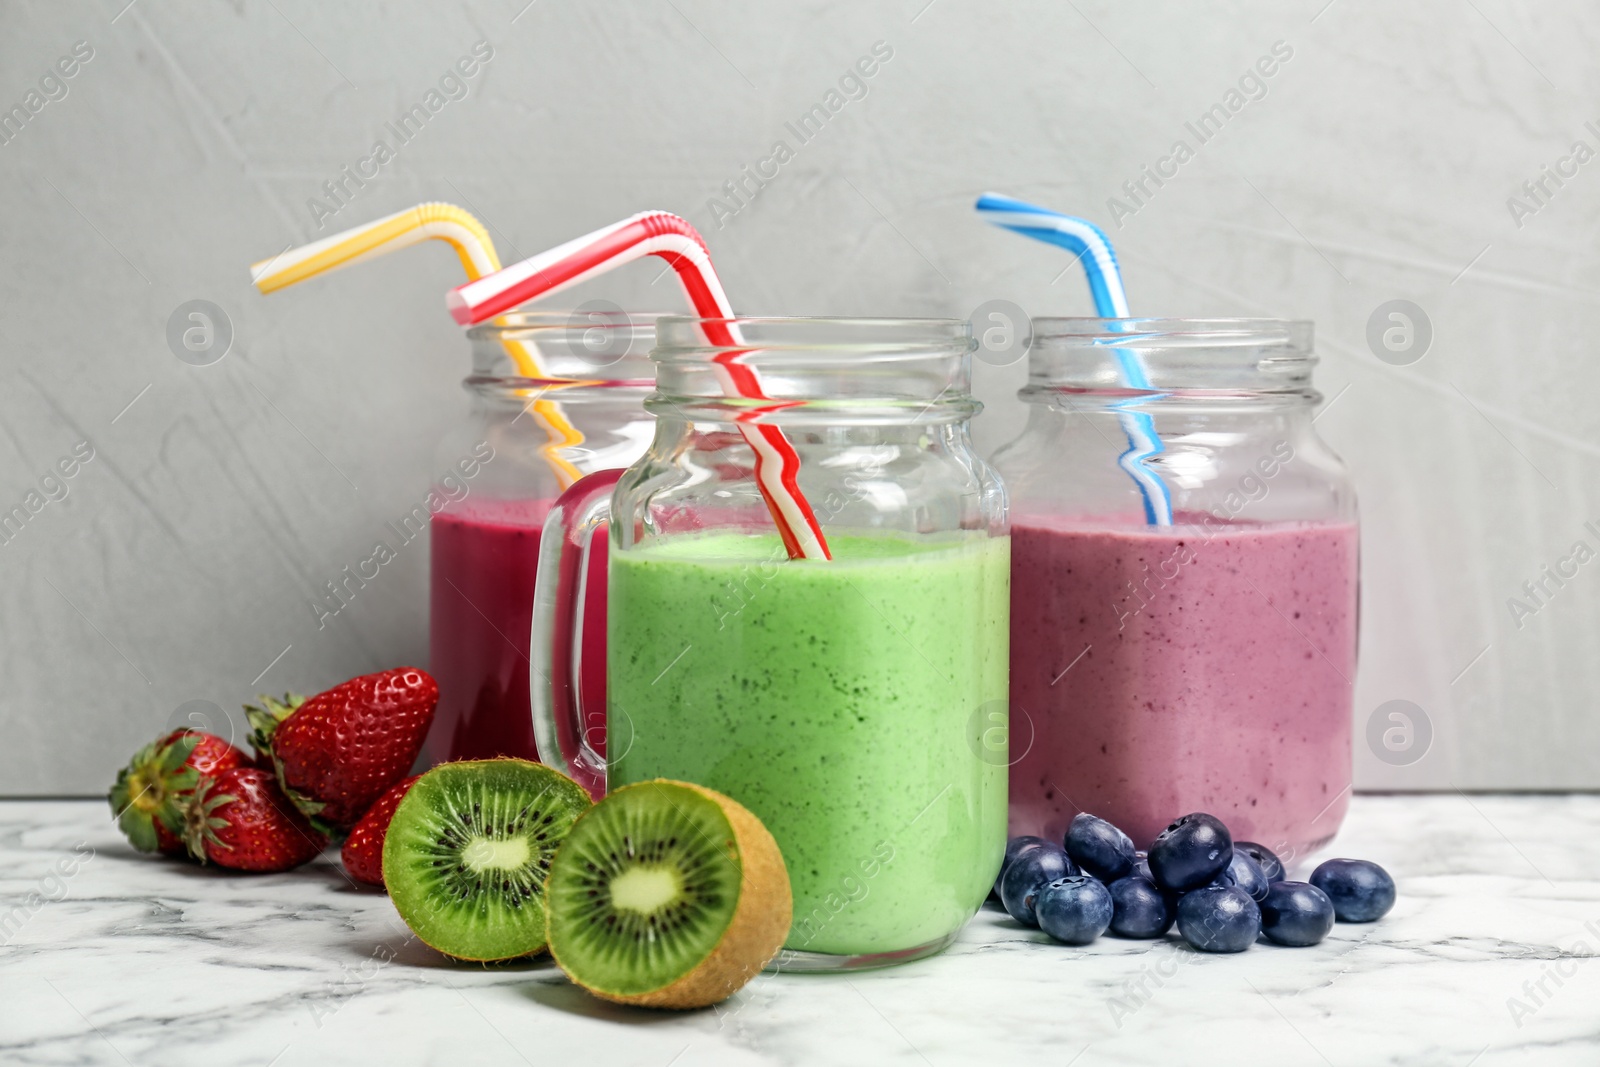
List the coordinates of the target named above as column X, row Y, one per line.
column 1377, row 166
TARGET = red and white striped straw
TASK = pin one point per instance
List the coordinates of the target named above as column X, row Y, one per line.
column 658, row 233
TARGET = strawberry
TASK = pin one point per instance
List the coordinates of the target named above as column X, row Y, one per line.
column 339, row 751
column 363, row 849
column 151, row 792
column 240, row 819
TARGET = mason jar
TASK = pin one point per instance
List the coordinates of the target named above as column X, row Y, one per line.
column 1202, row 663
column 843, row 700
column 523, row 440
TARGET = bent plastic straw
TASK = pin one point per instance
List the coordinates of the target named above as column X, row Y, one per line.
column 457, row 227
column 658, row 233
column 462, row 231
column 1093, row 248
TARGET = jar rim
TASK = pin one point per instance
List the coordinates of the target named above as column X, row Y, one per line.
column 1294, row 334
column 593, row 346
column 513, row 324
column 817, row 341
column 815, row 365
column 1171, row 359
column 862, row 320
column 561, row 389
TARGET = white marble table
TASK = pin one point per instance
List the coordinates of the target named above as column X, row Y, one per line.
column 128, row 960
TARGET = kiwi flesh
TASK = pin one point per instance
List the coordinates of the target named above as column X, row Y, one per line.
column 466, row 854
column 667, row 895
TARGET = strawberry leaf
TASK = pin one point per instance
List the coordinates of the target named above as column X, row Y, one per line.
column 137, row 794
column 200, row 821
column 176, row 754
column 265, row 719
column 308, row 806
column 139, row 828
column 324, row 827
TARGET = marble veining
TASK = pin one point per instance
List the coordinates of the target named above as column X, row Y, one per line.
column 1488, row 957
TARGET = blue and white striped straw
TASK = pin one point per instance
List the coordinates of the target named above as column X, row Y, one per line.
column 1093, row 248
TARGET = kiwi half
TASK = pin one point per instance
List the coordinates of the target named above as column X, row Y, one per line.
column 667, row 895
column 466, row 854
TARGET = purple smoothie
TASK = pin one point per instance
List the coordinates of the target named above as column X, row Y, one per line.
column 1188, row 668
column 485, row 553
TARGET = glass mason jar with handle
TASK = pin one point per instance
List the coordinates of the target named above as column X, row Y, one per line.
column 841, row 700
column 1204, row 665
column 522, row 442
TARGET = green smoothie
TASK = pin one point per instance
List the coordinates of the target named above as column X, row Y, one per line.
column 842, row 702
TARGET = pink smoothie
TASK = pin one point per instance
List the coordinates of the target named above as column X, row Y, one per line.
column 485, row 552
column 1186, row 669
column 484, row 555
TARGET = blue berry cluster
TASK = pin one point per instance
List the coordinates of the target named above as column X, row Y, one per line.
column 1222, row 894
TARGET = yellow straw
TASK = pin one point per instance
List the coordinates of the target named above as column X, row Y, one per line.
column 461, row 230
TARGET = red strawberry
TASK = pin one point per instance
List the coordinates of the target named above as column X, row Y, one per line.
column 240, row 819
column 363, row 849
column 150, row 793
column 338, row 752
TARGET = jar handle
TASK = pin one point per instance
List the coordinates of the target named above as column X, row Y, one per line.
column 571, row 736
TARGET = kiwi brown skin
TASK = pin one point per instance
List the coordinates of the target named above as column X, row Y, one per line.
column 759, row 926
column 421, row 924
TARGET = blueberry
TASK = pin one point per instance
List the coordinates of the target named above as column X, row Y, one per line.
column 1030, row 872
column 1098, row 848
column 1014, row 848
column 1141, row 867
column 1075, row 910
column 1245, row 873
column 1018, row 845
column 1219, row 918
column 1265, row 858
column 1190, row 852
column 1361, row 891
column 1139, row 909
column 1296, row 914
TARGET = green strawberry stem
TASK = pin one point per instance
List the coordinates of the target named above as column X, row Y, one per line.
column 264, row 722
column 200, row 822
column 265, row 719
column 152, row 787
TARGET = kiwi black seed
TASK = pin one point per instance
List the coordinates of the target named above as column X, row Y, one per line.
column 466, row 854
column 668, row 895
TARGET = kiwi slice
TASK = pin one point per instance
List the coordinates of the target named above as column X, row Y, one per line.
column 668, row 895
column 466, row 854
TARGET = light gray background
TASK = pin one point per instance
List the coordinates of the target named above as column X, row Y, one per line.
column 180, row 566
